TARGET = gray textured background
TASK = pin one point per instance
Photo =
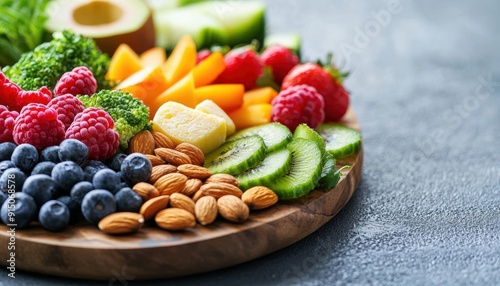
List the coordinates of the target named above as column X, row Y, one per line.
column 426, row 88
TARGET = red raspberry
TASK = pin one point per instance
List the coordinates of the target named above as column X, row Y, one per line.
column 25, row 97
column 243, row 66
column 8, row 91
column 298, row 104
column 38, row 125
column 280, row 59
column 67, row 107
column 7, row 120
column 78, row 81
column 94, row 127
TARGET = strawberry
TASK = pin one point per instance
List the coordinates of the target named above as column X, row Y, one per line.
column 327, row 81
column 243, row 66
column 280, row 59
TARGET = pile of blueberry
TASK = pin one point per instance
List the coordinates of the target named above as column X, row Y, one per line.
column 59, row 186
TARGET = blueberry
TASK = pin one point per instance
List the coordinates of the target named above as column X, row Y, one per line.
column 6, row 150
column 3, row 197
column 115, row 162
column 4, row 165
column 128, row 201
column 136, row 168
column 23, row 207
column 106, row 179
column 12, row 178
column 66, row 174
column 50, row 154
column 91, row 167
column 97, row 204
column 80, row 190
column 73, row 150
column 74, row 208
column 54, row 215
column 25, row 157
column 41, row 187
column 44, row 167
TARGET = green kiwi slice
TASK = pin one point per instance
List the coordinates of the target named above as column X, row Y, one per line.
column 304, row 131
column 340, row 140
column 275, row 135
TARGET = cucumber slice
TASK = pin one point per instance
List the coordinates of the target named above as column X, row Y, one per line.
column 275, row 165
column 304, row 173
column 304, row 131
column 291, row 41
column 275, row 135
column 236, row 156
column 340, row 140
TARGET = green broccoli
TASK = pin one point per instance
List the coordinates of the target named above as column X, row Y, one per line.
column 49, row 61
column 131, row 116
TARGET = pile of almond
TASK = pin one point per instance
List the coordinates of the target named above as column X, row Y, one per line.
column 181, row 192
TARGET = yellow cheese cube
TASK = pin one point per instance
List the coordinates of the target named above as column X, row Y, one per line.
column 210, row 107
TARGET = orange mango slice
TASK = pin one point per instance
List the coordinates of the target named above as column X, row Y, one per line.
column 153, row 57
column 181, row 61
column 226, row 96
column 181, row 92
column 124, row 63
column 251, row 115
column 259, row 95
column 209, row 69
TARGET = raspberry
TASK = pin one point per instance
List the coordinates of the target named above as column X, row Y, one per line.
column 243, row 67
column 78, row 81
column 7, row 120
column 94, row 127
column 280, row 59
column 38, row 125
column 298, row 104
column 67, row 107
column 25, row 97
column 8, row 91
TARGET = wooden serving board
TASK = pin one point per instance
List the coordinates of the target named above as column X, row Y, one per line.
column 85, row 252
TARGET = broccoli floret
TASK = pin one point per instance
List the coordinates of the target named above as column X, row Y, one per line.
column 49, row 61
column 131, row 116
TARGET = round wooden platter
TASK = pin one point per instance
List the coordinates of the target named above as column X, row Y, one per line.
column 85, row 252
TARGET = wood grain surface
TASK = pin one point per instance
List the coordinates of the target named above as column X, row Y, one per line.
column 85, row 252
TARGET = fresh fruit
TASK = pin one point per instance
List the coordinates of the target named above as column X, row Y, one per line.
column 136, row 168
column 80, row 80
column 127, row 200
column 67, row 107
column 153, row 57
column 226, row 96
column 181, row 92
column 54, row 215
column 98, row 204
column 6, row 177
column 79, row 190
column 7, row 121
column 251, row 115
column 259, row 95
column 207, row 71
column 275, row 135
column 280, row 59
column 23, row 207
column 243, row 66
column 106, row 179
column 8, row 91
column 108, row 22
column 121, row 223
column 259, row 197
column 115, row 163
column 41, row 187
column 6, row 150
column 43, row 168
column 340, row 140
column 210, row 107
column 25, row 157
column 67, row 174
column 202, row 55
column 304, row 173
column 306, row 132
column 24, row 97
column 290, row 41
column 51, row 154
column 237, row 156
column 184, row 124
column 298, row 104
column 73, row 150
column 124, row 63
column 181, row 60
column 91, row 167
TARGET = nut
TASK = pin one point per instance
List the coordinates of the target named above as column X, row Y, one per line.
column 162, row 141
column 206, row 210
column 172, row 156
column 146, row 191
column 195, row 154
column 143, row 142
column 197, row 195
column 170, row 183
column 155, row 160
column 218, row 190
column 160, row 171
column 175, row 219
column 259, row 197
column 178, row 200
column 223, row 178
column 233, row 209
column 191, row 187
column 194, row 171
column 150, row 208
column 121, row 222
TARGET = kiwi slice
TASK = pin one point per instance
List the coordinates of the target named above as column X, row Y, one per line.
column 236, row 156
column 304, row 131
column 274, row 165
column 275, row 135
column 340, row 140
column 304, row 173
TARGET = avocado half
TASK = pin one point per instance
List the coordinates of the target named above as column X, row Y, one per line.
column 108, row 22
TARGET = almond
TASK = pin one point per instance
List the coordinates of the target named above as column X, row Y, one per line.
column 150, row 208
column 121, row 222
column 194, row 171
column 146, row 191
column 195, row 154
column 178, row 200
column 155, row 160
column 232, row 208
column 175, row 219
column 162, row 141
column 218, row 190
column 206, row 210
column 197, row 195
column 171, row 183
column 161, row 170
column 191, row 187
column 223, row 178
column 259, row 197
column 143, row 142
column 172, row 156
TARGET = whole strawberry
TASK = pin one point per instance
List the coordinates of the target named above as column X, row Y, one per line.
column 280, row 59
column 7, row 121
column 78, row 81
column 327, row 82
column 243, row 66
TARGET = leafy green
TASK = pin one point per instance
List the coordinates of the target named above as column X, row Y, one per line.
column 131, row 116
